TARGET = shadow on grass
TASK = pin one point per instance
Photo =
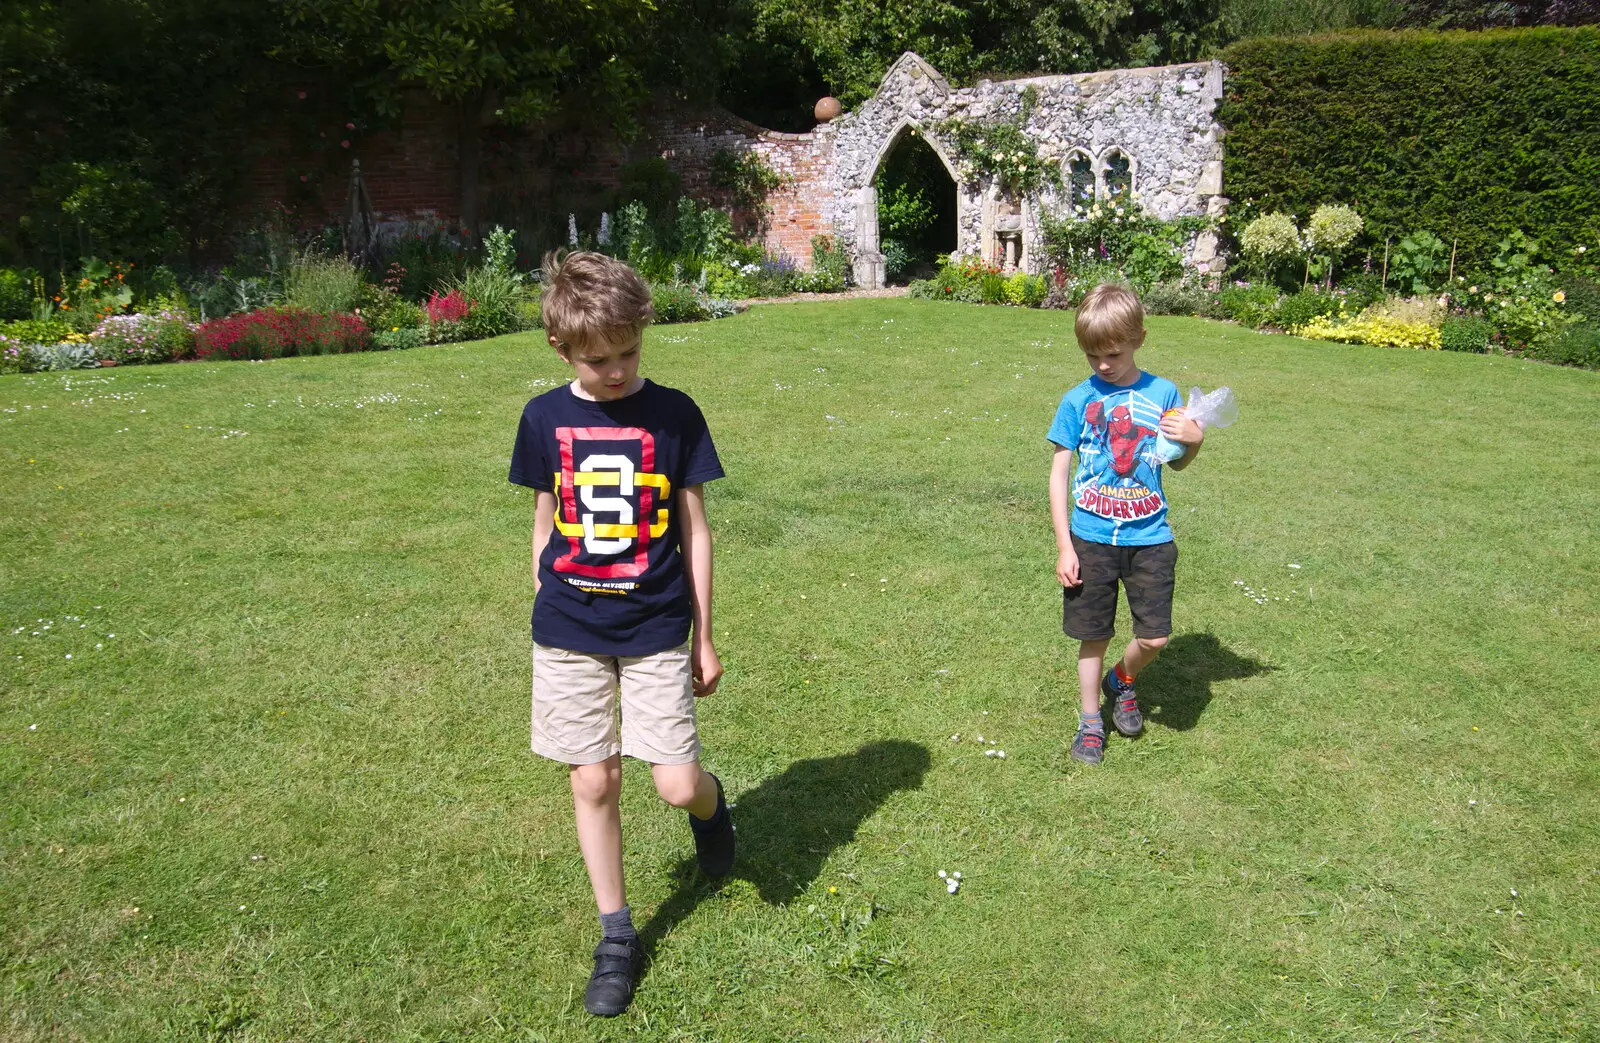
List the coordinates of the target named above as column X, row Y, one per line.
column 1179, row 684
column 791, row 823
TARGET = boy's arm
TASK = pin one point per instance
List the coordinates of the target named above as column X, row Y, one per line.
column 544, row 520
column 1061, row 517
column 1187, row 433
column 696, row 546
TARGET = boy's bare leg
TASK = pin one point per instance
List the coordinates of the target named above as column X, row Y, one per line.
column 1091, row 664
column 1140, row 653
column 686, row 786
column 596, row 790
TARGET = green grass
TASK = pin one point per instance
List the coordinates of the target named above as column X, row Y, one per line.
column 315, row 703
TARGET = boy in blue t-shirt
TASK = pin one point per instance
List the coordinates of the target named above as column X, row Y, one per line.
column 621, row 577
column 1117, row 529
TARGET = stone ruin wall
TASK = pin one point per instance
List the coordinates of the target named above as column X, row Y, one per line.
column 1162, row 119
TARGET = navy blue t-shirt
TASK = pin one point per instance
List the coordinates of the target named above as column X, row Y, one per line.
column 611, row 579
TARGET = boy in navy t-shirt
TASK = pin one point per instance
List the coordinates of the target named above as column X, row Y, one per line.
column 1114, row 526
column 621, row 578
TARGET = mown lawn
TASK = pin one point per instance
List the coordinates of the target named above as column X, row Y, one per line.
column 263, row 739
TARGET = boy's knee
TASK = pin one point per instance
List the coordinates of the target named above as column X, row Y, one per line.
column 596, row 783
column 1153, row 644
column 678, row 788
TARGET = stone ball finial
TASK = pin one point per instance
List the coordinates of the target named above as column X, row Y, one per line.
column 827, row 109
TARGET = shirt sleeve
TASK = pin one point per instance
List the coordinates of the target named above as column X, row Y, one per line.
column 529, row 465
column 1067, row 427
column 700, row 461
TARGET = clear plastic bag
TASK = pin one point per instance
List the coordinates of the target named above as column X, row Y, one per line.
column 1214, row 409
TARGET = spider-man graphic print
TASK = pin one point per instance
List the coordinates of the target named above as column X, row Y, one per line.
column 1116, row 488
column 611, row 579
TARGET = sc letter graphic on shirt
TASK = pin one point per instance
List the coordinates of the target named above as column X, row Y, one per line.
column 610, row 505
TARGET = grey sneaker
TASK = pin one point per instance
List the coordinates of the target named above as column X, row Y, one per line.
column 1125, row 713
column 1088, row 747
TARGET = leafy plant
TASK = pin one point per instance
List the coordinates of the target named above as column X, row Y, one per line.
column 42, row 357
column 1418, row 262
column 896, row 259
column 495, row 294
column 1253, row 305
column 747, row 176
column 1144, row 248
column 322, row 283
column 16, row 293
column 674, row 302
column 1465, row 333
column 1373, row 329
column 1300, row 308
column 1269, row 241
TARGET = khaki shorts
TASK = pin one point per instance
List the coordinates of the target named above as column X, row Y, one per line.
column 575, row 696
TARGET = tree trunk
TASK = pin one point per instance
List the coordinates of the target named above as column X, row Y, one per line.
column 477, row 112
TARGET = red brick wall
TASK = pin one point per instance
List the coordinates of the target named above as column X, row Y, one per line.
column 412, row 172
column 688, row 138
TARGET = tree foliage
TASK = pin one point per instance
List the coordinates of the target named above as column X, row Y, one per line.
column 854, row 41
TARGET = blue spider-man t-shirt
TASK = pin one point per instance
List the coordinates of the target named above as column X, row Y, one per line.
column 1116, row 491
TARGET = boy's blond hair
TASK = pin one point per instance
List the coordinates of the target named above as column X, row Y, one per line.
column 1109, row 316
column 590, row 297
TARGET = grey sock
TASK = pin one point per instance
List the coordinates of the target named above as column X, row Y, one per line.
column 618, row 926
column 1091, row 722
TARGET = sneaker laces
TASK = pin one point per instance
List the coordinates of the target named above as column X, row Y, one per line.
column 1128, row 703
column 1089, row 738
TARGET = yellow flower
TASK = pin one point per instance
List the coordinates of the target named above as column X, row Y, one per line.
column 1558, row 296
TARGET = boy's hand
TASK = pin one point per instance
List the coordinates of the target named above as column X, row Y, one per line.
column 705, row 667
column 1067, row 567
column 1177, row 426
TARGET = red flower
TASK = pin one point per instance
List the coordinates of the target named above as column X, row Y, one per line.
column 302, row 95
column 349, row 126
column 344, row 144
column 448, row 307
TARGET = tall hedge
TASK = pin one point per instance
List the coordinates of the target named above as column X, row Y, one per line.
column 1467, row 135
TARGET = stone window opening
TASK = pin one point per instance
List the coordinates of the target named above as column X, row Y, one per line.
column 1079, row 176
column 1117, row 172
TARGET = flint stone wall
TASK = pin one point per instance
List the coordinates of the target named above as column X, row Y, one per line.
column 1162, row 119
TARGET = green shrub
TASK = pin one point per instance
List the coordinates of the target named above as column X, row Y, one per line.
column 816, row 282
column 496, row 296
column 1577, row 346
column 1302, row 307
column 403, row 337
column 1471, row 134
column 992, row 288
column 16, row 293
column 36, row 331
column 1465, row 333
column 329, row 285
column 827, row 256
column 40, row 358
column 675, row 302
column 421, row 260
column 896, row 259
column 1182, row 297
column 1419, row 263
column 1249, row 305
column 385, row 310
column 1362, row 289
column 1583, row 296
column 1024, row 290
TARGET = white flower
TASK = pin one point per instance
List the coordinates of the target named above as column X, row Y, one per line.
column 941, row 874
column 952, row 887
